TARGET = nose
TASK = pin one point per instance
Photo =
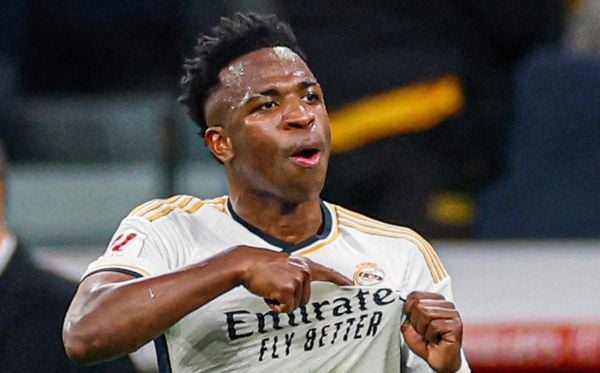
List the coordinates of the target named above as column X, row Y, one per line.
column 299, row 116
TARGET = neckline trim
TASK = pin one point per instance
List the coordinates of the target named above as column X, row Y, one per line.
column 285, row 245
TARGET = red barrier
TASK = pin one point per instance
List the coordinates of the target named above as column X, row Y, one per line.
column 533, row 346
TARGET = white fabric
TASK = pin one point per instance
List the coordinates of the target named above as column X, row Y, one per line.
column 349, row 329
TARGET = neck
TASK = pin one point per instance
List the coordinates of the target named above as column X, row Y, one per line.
column 286, row 220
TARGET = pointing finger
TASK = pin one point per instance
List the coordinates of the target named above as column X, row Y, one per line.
column 320, row 273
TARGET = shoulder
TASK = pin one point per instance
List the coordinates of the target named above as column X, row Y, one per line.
column 404, row 238
column 160, row 235
column 351, row 219
column 167, row 220
column 175, row 206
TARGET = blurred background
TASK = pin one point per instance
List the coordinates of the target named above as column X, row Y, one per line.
column 477, row 123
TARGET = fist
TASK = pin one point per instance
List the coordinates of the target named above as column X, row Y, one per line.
column 433, row 330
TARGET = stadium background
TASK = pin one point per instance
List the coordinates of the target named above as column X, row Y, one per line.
column 89, row 117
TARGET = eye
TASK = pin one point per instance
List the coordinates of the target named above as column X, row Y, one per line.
column 312, row 97
column 265, row 106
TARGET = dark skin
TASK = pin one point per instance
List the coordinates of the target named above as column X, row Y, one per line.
column 433, row 330
column 268, row 125
column 277, row 115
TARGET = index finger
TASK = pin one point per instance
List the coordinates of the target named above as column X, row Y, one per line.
column 322, row 273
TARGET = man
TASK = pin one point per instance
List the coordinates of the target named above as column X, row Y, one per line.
column 32, row 307
column 243, row 282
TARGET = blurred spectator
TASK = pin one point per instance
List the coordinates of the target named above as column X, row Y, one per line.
column 33, row 303
column 12, row 33
column 421, row 95
column 582, row 27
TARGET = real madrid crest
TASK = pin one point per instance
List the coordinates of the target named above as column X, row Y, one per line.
column 368, row 274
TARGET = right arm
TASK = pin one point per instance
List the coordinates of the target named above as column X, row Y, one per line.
column 113, row 314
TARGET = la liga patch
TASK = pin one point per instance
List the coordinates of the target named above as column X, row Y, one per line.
column 127, row 243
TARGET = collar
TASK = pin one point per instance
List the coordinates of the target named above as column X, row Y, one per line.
column 285, row 245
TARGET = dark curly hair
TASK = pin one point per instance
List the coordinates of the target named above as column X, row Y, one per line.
column 230, row 39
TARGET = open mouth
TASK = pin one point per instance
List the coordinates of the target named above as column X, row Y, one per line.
column 307, row 157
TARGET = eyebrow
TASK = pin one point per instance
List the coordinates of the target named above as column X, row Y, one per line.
column 275, row 92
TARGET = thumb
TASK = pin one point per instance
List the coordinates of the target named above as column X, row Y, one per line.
column 414, row 340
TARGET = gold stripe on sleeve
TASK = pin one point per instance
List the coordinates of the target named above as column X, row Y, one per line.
column 372, row 226
column 218, row 203
column 151, row 205
column 195, row 207
column 434, row 263
column 142, row 206
column 156, row 209
column 167, row 210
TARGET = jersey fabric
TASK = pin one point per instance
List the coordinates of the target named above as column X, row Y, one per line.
column 342, row 329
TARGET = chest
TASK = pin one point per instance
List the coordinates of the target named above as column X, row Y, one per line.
column 337, row 324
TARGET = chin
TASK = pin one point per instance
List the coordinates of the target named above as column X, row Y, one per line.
column 299, row 193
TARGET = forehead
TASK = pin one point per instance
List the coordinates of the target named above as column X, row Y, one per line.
column 264, row 66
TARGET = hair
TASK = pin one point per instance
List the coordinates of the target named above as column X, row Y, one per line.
column 231, row 38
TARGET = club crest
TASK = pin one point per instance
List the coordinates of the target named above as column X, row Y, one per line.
column 368, row 274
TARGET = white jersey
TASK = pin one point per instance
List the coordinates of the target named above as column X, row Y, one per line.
column 341, row 329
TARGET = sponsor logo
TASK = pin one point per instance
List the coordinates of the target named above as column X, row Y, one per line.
column 361, row 314
column 368, row 274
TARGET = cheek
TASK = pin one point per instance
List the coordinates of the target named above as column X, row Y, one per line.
column 261, row 128
column 263, row 121
column 326, row 127
column 258, row 144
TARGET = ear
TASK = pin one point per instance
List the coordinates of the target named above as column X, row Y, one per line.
column 219, row 143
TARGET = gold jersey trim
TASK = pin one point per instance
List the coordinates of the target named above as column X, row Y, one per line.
column 158, row 208
column 151, row 205
column 219, row 203
column 195, row 207
column 170, row 207
column 319, row 245
column 415, row 107
column 372, row 226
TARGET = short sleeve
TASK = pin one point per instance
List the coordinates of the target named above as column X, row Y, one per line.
column 136, row 248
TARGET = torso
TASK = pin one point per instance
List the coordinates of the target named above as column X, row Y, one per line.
column 236, row 330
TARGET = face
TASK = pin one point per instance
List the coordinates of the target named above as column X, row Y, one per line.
column 268, row 124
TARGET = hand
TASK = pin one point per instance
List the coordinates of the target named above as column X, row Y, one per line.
column 283, row 280
column 433, row 330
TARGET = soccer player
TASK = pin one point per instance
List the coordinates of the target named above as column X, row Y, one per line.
column 261, row 279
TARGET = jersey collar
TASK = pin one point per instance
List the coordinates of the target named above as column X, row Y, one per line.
column 285, row 245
